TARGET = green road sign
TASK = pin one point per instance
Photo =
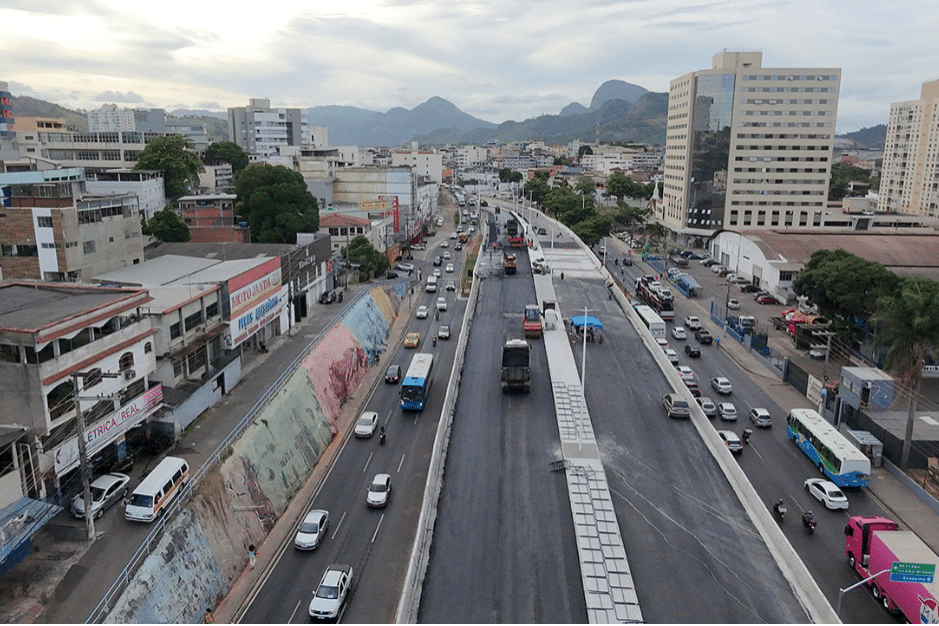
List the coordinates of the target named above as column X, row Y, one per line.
column 912, row 572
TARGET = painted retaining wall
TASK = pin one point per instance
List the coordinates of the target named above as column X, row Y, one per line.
column 204, row 549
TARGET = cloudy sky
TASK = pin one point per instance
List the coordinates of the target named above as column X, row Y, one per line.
column 497, row 60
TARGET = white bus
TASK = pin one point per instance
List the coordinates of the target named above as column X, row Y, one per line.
column 158, row 490
column 651, row 320
column 416, row 384
column 835, row 456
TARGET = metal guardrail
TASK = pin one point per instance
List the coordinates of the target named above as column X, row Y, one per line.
column 123, row 579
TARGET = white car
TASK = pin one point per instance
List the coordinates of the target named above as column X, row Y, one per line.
column 685, row 372
column 453, row 235
column 436, row 272
column 441, row 304
column 663, row 342
column 733, row 303
column 721, row 385
column 367, row 424
column 106, row 490
column 421, row 312
column 727, row 411
column 731, row 440
column 331, row 592
column 827, row 493
column 312, row 530
column 449, row 268
column 707, row 405
column 671, row 355
column 446, row 255
column 761, row 418
column 692, row 322
column 379, row 491
column 678, row 332
column 717, row 269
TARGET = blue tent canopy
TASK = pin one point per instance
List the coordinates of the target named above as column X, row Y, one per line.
column 586, row 320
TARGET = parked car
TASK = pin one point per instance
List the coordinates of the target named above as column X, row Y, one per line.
column 331, row 593
column 444, row 331
column 703, row 337
column 708, row 262
column 391, row 275
column 393, row 373
column 692, row 350
column 379, row 491
column 767, row 299
column 727, row 411
column 405, row 267
column 733, row 303
column 312, row 530
column 731, row 440
column 675, row 406
column 421, row 312
column 749, row 288
column 412, row 339
column 707, row 406
column 365, row 426
column 721, row 385
column 717, row 269
column 827, row 493
column 327, row 297
column 418, row 246
column 761, row 418
column 106, row 491
column 818, row 353
column 692, row 322
column 678, row 332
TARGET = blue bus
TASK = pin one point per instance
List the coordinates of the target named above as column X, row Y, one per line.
column 416, row 384
column 835, row 457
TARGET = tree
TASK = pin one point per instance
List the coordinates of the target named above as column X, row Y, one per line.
column 631, row 217
column 507, row 175
column 586, row 185
column 177, row 158
column 844, row 287
column 167, row 226
column 371, row 261
column 229, row 152
column 584, row 150
column 908, row 321
column 275, row 202
column 841, row 175
column 592, row 229
column 537, row 186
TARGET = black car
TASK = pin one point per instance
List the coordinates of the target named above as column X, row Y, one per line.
column 703, row 337
column 393, row 374
column 483, row 203
column 327, row 297
column 391, row 275
column 438, row 261
column 693, row 351
column 750, row 288
column 628, row 261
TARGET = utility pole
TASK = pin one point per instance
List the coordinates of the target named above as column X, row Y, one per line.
column 83, row 457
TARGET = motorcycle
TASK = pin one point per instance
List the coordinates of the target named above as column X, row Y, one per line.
column 808, row 520
column 745, row 435
column 779, row 508
column 434, row 340
column 381, row 436
column 437, row 314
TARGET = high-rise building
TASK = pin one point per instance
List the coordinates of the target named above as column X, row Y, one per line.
column 110, row 119
column 748, row 146
column 261, row 130
column 910, row 179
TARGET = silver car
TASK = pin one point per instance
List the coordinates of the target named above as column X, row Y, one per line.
column 727, row 411
column 106, row 490
column 312, row 530
column 331, row 593
column 379, row 491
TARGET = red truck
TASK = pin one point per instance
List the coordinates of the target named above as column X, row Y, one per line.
column 874, row 544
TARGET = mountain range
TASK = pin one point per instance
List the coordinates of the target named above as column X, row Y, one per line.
column 618, row 112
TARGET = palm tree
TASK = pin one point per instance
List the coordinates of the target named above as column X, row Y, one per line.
column 909, row 324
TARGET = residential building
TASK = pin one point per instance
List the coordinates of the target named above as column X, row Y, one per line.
column 8, row 148
column 426, row 163
column 394, row 188
column 211, row 218
column 344, row 227
column 54, row 230
column 910, row 179
column 192, row 130
column 261, row 130
column 147, row 185
column 148, row 121
column 748, row 146
column 59, row 341
column 91, row 151
column 110, row 119
column 470, row 156
column 217, row 178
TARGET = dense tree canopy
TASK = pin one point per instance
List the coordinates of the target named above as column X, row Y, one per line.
column 362, row 252
column 229, row 152
column 908, row 322
column 167, row 226
column 176, row 157
column 621, row 186
column 537, row 187
column 842, row 174
column 844, row 286
column 275, row 202
column 592, row 229
column 507, row 175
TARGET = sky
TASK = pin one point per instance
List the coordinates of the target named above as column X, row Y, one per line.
column 496, row 60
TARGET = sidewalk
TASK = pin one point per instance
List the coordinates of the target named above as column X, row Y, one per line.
column 63, row 582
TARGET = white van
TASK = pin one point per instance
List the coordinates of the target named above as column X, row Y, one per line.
column 431, row 284
column 157, row 490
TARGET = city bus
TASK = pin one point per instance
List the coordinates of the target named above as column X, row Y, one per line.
column 841, row 462
column 416, row 384
column 651, row 320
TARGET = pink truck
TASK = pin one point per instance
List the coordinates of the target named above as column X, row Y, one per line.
column 874, row 544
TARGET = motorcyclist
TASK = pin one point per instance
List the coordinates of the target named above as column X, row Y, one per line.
column 779, row 507
column 434, row 340
column 381, row 435
column 808, row 520
column 437, row 314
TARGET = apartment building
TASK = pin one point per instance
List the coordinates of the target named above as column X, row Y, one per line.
column 110, row 119
column 396, row 188
column 910, row 179
column 426, row 163
column 748, row 146
column 261, row 130
column 211, row 219
column 147, row 185
column 54, row 229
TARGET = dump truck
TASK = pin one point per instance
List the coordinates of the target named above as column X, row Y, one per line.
column 516, row 373
column 893, row 559
column 509, row 263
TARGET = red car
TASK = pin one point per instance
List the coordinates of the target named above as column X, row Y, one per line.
column 767, row 300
